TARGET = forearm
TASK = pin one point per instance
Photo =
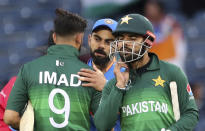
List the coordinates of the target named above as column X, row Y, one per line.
column 12, row 118
column 107, row 112
column 187, row 122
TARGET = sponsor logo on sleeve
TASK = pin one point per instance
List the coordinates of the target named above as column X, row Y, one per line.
column 191, row 96
column 188, row 88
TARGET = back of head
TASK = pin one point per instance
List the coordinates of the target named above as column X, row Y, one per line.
column 67, row 23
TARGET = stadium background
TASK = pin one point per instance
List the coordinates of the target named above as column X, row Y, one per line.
column 25, row 25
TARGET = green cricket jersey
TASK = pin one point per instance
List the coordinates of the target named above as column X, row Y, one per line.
column 147, row 105
column 51, row 84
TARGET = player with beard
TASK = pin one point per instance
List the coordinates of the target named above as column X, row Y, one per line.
column 99, row 42
column 142, row 92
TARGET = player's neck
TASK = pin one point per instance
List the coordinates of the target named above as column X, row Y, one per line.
column 66, row 41
column 141, row 62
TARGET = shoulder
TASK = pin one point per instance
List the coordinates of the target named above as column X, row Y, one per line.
column 173, row 72
column 161, row 64
column 84, row 58
column 41, row 59
column 82, row 64
column 53, row 64
column 168, row 66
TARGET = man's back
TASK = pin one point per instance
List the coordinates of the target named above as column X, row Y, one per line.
column 56, row 94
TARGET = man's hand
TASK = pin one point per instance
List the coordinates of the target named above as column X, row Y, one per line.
column 121, row 77
column 93, row 78
column 12, row 118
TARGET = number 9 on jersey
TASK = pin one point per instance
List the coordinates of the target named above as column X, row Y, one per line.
column 65, row 110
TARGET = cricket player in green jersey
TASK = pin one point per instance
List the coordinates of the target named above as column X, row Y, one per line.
column 142, row 94
column 51, row 83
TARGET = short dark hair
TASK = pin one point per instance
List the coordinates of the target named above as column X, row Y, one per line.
column 67, row 23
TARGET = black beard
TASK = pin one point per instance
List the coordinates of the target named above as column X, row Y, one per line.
column 100, row 61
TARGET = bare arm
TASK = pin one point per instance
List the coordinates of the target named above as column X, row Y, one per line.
column 12, row 118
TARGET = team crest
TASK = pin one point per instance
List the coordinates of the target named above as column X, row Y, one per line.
column 159, row 81
column 108, row 21
column 125, row 19
column 188, row 88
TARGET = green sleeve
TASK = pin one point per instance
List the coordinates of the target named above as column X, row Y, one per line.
column 107, row 113
column 95, row 101
column 188, row 109
column 18, row 96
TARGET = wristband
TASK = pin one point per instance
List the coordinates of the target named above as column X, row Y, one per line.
column 120, row 88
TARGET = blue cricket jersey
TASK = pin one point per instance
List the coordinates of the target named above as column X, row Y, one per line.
column 109, row 74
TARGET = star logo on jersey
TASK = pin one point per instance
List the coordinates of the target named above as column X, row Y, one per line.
column 159, row 81
column 125, row 19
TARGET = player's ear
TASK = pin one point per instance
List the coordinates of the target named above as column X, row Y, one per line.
column 89, row 39
column 54, row 37
column 79, row 38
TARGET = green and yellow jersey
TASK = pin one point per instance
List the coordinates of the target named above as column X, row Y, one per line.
column 146, row 105
column 51, row 84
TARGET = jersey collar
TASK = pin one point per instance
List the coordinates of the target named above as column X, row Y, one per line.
column 154, row 65
column 63, row 50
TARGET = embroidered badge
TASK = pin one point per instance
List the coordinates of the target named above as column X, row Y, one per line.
column 188, row 88
column 159, row 81
column 125, row 19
